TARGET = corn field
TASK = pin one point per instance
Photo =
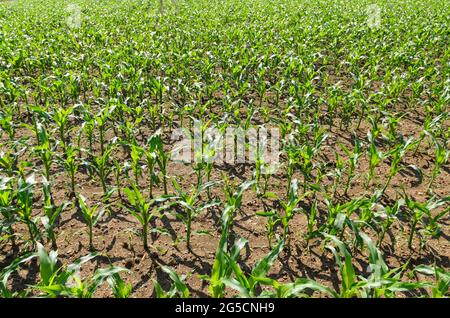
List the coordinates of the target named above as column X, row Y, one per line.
column 97, row 98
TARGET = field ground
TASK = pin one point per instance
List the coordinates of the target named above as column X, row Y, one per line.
column 91, row 93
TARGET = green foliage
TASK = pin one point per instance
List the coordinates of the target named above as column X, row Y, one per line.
column 190, row 205
column 94, row 108
column 91, row 216
column 178, row 287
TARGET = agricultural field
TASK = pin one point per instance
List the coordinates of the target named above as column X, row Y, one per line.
column 253, row 148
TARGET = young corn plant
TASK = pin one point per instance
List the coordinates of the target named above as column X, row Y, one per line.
column 24, row 208
column 441, row 158
column 338, row 173
column 425, row 213
column 433, row 227
column 87, row 128
column 312, row 222
column 307, row 155
column 249, row 286
column 353, row 162
column 178, row 287
column 64, row 281
column 44, row 149
column 293, row 162
column 381, row 282
column 162, row 160
column 388, row 215
column 9, row 164
column 7, row 209
column 101, row 120
column 222, row 268
column 375, row 157
column 7, row 125
column 6, row 272
column 233, row 200
column 441, row 286
column 70, row 165
column 140, row 208
column 136, row 156
column 191, row 206
column 102, row 168
column 339, row 216
column 51, row 213
column 209, row 154
column 397, row 154
column 259, row 165
column 201, row 151
column 429, row 126
column 422, row 213
column 290, row 207
column 151, row 156
column 61, row 118
column 120, row 169
column 91, row 216
column 273, row 219
column 118, row 286
column 391, row 121
column 199, row 168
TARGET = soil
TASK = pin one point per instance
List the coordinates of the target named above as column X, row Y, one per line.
column 115, row 235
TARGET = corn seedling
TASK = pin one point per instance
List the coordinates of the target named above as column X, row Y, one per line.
column 119, row 288
column 441, row 286
column 51, row 213
column 25, row 207
column 61, row 118
column 141, row 209
column 441, row 158
column 7, row 210
column 290, row 207
column 136, row 156
column 397, row 154
column 178, row 287
column 381, row 281
column 151, row 159
column 102, row 168
column 375, row 157
column 388, row 216
column 190, row 206
column 57, row 281
column 162, row 160
column 234, row 200
column 222, row 267
column 70, row 165
column 91, row 216
column 6, row 272
column 353, row 162
column 248, row 286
